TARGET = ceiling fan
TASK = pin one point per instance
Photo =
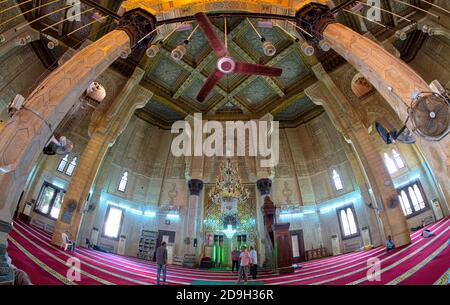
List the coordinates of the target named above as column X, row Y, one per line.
column 225, row 63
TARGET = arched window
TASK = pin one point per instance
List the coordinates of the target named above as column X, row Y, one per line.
column 398, row 159
column 345, row 225
column 419, row 196
column 406, row 203
column 348, row 222
column 351, row 221
column 402, row 204
column 412, row 199
column 337, row 180
column 71, row 167
column 62, row 164
column 392, row 168
column 123, row 182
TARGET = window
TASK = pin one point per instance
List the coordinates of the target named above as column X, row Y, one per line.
column 390, row 164
column 347, row 221
column 49, row 201
column 113, row 222
column 393, row 163
column 71, row 166
column 62, row 164
column 398, row 159
column 123, row 182
column 412, row 199
column 337, row 180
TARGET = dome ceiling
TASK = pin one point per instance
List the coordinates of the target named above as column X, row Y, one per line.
column 176, row 83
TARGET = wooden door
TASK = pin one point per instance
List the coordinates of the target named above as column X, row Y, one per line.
column 298, row 246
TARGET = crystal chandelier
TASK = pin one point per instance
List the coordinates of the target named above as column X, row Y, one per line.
column 228, row 187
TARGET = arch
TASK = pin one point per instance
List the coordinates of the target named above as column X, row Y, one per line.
column 360, row 86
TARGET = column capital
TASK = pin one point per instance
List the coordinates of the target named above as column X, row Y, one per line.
column 138, row 24
column 195, row 186
column 264, row 186
column 314, row 18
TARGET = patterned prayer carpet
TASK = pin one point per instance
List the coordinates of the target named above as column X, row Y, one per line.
column 425, row 261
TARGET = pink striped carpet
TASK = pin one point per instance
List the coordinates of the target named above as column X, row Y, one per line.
column 425, row 261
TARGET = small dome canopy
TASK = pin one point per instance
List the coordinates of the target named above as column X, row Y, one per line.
column 360, row 85
column 96, row 92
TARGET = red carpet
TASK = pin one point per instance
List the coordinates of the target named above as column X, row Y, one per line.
column 424, row 261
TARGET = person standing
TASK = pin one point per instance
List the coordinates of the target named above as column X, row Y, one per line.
column 161, row 261
column 235, row 260
column 253, row 262
column 244, row 264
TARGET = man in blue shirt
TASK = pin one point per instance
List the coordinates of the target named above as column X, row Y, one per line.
column 390, row 244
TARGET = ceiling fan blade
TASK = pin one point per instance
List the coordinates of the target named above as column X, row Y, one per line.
column 213, row 39
column 255, row 69
column 212, row 80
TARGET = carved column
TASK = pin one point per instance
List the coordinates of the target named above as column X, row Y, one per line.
column 26, row 134
column 192, row 216
column 264, row 186
column 394, row 79
column 105, row 127
column 6, row 273
column 348, row 122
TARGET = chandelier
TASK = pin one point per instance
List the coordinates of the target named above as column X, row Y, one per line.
column 228, row 190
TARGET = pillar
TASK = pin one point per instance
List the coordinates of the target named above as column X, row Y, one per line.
column 394, row 79
column 349, row 123
column 264, row 186
column 104, row 130
column 26, row 134
column 192, row 216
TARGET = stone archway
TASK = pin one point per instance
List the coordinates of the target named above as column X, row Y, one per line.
column 28, row 131
column 393, row 79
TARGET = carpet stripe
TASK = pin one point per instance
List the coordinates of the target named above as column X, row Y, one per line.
column 328, row 279
column 444, row 279
column 40, row 263
column 418, row 266
column 346, row 268
column 60, row 260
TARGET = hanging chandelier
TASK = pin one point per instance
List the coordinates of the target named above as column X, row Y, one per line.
column 228, row 190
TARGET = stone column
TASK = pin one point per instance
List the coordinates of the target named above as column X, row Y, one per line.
column 26, row 134
column 6, row 273
column 348, row 122
column 264, row 186
column 394, row 79
column 105, row 127
column 192, row 216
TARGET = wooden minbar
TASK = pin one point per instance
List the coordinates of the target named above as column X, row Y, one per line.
column 280, row 238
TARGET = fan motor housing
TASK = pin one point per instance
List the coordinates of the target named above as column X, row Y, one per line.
column 430, row 114
column 226, row 65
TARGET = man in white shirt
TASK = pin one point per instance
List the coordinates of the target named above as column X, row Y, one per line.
column 253, row 262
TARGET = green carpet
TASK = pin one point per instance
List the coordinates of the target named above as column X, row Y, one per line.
column 225, row 283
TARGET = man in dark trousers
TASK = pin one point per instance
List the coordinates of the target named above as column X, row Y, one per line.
column 161, row 261
column 235, row 260
column 253, row 262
